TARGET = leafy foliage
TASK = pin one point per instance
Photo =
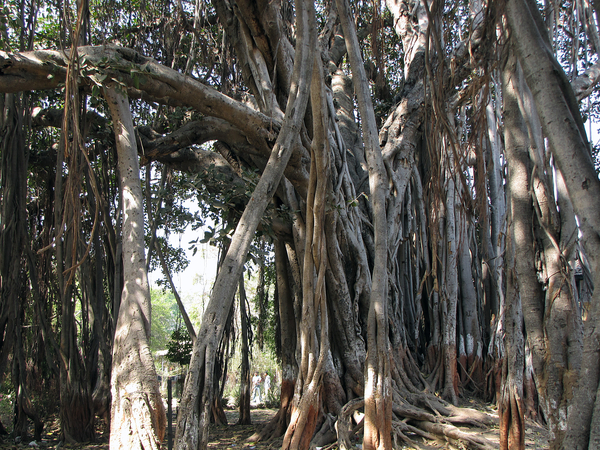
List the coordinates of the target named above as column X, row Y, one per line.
column 264, row 317
column 180, row 347
column 164, row 318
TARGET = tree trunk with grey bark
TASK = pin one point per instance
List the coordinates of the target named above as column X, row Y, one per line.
column 138, row 418
column 562, row 124
column 511, row 404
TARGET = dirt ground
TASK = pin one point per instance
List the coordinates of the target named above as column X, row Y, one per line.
column 234, row 437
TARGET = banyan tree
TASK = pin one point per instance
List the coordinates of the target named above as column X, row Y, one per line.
column 425, row 183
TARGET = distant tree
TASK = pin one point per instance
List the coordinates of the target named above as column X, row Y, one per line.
column 179, row 347
column 164, row 318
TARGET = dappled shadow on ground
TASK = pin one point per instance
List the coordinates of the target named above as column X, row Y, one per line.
column 221, row 436
column 235, row 437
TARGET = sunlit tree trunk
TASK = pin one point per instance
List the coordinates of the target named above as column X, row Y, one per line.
column 450, row 286
column 562, row 124
column 378, row 396
column 555, row 237
column 138, row 417
column 313, row 335
column 510, row 403
column 193, row 421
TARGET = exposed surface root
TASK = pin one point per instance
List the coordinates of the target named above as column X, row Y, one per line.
column 426, row 417
column 418, row 417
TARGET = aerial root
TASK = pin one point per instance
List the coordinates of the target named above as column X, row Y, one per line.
column 344, row 427
column 416, row 417
column 326, row 434
column 400, row 430
column 451, row 432
column 427, row 417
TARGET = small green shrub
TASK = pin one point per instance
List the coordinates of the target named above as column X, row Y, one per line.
column 180, row 347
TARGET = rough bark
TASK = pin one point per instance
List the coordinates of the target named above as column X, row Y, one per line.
column 378, row 401
column 41, row 70
column 555, row 236
column 450, row 294
column 517, row 151
column 354, row 255
column 511, row 408
column 313, row 337
column 510, row 403
column 192, row 426
column 138, row 417
column 562, row 125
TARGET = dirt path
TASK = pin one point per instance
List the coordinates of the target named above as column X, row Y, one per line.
column 235, row 436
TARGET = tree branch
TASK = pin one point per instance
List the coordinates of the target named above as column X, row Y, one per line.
column 46, row 69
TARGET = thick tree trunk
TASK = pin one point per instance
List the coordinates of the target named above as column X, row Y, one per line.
column 511, row 408
column 138, row 417
column 378, row 396
column 361, row 303
column 555, row 231
column 510, row 404
column 192, row 424
column 450, row 294
column 313, row 336
column 13, row 193
column 523, row 213
column 561, row 122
